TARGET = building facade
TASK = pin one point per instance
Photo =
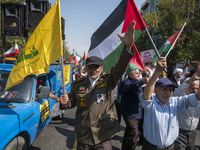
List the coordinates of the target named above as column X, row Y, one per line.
column 148, row 5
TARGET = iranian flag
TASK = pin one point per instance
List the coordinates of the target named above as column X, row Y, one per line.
column 13, row 51
column 186, row 69
column 169, row 44
column 105, row 43
column 70, row 59
column 76, row 57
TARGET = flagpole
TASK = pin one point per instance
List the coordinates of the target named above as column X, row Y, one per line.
column 175, row 40
column 157, row 53
column 63, row 79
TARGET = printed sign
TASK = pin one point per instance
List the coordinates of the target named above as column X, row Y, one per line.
column 100, row 98
column 67, row 74
column 147, row 56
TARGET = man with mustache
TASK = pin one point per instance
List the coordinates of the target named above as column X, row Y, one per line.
column 160, row 110
column 96, row 122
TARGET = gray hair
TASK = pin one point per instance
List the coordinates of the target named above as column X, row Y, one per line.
column 195, row 82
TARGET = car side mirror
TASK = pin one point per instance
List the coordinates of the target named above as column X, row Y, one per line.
column 43, row 92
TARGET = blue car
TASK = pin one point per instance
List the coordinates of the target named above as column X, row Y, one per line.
column 26, row 109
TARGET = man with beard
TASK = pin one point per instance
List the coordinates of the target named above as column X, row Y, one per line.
column 160, row 110
column 177, row 76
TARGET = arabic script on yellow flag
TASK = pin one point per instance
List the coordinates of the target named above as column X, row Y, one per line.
column 67, row 73
column 42, row 48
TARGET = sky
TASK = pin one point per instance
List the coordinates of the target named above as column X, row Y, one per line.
column 83, row 18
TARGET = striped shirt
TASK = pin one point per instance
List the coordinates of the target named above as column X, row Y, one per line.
column 188, row 120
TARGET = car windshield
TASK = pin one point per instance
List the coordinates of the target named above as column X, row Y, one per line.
column 18, row 94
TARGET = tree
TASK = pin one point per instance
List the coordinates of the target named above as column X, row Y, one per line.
column 192, row 39
column 172, row 15
column 151, row 21
column 169, row 18
column 66, row 51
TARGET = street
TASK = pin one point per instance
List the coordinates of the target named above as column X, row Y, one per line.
column 60, row 135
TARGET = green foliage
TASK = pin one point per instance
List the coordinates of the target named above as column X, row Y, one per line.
column 172, row 15
column 66, row 51
column 169, row 18
column 151, row 20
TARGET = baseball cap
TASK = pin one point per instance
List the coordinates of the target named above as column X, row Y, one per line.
column 162, row 82
column 94, row 60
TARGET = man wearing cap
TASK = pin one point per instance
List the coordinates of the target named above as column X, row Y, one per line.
column 131, row 107
column 160, row 110
column 96, row 123
column 177, row 76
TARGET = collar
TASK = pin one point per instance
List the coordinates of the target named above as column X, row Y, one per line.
column 92, row 82
column 159, row 102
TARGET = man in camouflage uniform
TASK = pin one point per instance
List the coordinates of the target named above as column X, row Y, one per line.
column 96, row 121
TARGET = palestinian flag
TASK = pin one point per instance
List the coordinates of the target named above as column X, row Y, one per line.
column 136, row 62
column 169, row 44
column 105, row 43
column 13, row 51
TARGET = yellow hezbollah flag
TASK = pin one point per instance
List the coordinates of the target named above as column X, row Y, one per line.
column 43, row 48
column 67, row 73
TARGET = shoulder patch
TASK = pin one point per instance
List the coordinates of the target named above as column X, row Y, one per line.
column 76, row 81
column 105, row 74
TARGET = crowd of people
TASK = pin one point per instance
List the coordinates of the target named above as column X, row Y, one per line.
column 159, row 113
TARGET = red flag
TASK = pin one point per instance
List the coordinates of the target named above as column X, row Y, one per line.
column 84, row 56
column 75, row 61
column 137, row 60
column 70, row 59
column 132, row 13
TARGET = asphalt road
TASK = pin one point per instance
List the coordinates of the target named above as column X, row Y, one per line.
column 60, row 135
